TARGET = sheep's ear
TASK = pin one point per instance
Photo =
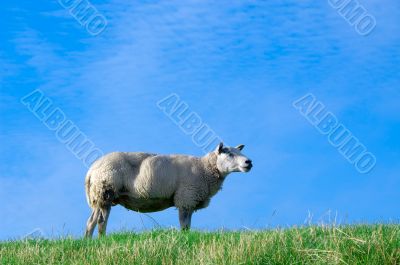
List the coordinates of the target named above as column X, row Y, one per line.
column 240, row 147
column 219, row 148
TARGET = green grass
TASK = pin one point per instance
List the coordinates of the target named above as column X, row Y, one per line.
column 361, row 244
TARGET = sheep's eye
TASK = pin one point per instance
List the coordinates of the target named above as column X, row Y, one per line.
column 230, row 155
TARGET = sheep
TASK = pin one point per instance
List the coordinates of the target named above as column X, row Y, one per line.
column 146, row 182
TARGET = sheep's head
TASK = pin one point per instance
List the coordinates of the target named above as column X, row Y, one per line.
column 231, row 159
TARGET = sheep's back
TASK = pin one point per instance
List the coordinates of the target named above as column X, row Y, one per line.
column 160, row 176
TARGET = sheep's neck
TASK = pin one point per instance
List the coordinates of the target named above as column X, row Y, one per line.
column 213, row 176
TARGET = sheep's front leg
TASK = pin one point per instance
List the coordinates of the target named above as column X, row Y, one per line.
column 185, row 218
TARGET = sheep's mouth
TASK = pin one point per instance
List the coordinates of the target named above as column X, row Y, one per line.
column 246, row 168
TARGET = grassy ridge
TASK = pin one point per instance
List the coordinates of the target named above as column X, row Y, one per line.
column 361, row 244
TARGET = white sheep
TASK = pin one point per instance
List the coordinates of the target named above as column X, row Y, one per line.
column 146, row 182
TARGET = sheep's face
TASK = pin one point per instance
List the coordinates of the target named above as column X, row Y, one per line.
column 231, row 159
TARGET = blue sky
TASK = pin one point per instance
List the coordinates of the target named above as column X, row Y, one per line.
column 239, row 65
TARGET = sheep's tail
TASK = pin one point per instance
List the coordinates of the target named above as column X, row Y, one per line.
column 87, row 189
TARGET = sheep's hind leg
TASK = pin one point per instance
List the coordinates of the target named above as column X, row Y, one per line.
column 91, row 222
column 103, row 218
column 185, row 218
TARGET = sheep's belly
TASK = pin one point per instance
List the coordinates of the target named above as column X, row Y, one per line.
column 145, row 205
